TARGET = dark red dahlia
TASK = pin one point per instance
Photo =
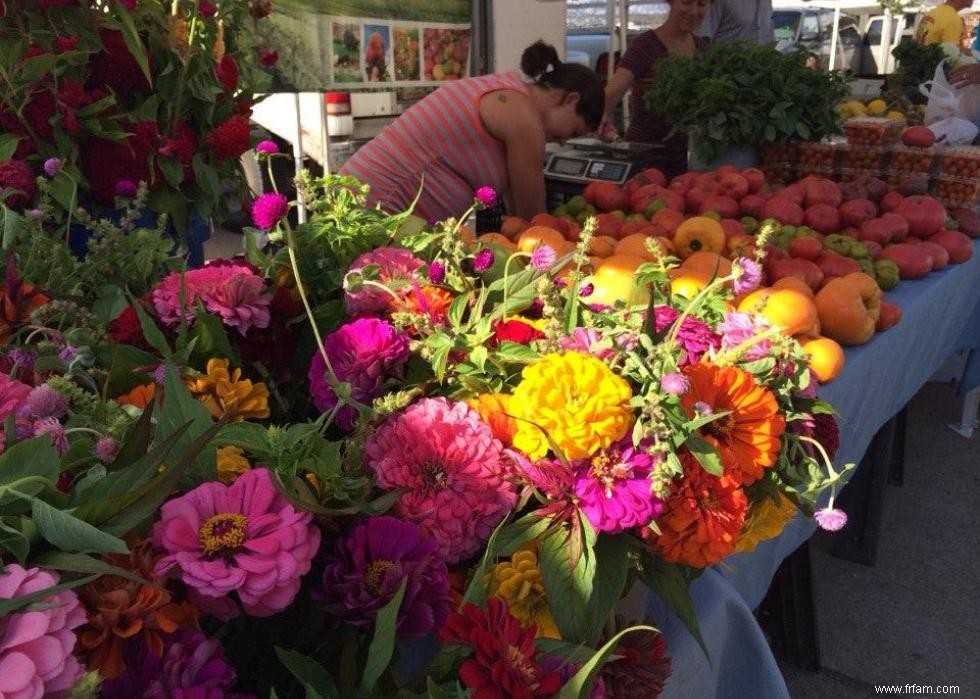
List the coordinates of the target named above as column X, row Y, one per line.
column 504, row 665
column 641, row 669
column 268, row 57
column 16, row 174
column 183, row 147
column 64, row 44
column 275, row 345
column 826, row 431
column 227, row 72
column 126, row 329
column 514, row 331
column 230, row 138
column 104, row 163
column 115, row 66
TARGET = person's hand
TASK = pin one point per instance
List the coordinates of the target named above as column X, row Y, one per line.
column 965, row 75
column 607, row 132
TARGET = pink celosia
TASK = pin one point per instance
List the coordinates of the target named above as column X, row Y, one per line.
column 36, row 642
column 12, row 394
column 394, row 265
column 453, row 471
column 245, row 539
column 235, row 293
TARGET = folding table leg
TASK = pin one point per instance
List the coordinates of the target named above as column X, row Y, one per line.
column 863, row 500
column 896, row 474
column 788, row 613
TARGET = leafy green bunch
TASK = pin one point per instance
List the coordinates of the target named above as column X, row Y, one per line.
column 742, row 94
column 916, row 65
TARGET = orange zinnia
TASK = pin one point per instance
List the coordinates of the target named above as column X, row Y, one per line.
column 492, row 408
column 140, row 396
column 702, row 517
column 748, row 438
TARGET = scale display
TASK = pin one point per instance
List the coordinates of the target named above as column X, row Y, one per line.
column 569, row 166
column 585, row 169
column 612, row 172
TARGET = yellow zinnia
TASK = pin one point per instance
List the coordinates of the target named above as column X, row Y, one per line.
column 231, row 464
column 576, row 400
column 765, row 520
column 226, row 393
column 518, row 582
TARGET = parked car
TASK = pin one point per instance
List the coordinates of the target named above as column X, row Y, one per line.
column 812, row 30
column 872, row 54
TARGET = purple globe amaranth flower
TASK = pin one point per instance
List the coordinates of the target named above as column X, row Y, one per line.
column 44, row 401
column 126, row 189
column 585, row 291
column 207, row 9
column 830, row 519
column 437, row 272
column 367, row 567
column 613, row 488
column 738, row 328
column 486, row 195
column 267, row 148
column 35, row 214
column 52, row 166
column 362, row 353
column 675, row 383
column 106, row 449
column 483, row 260
column 55, row 430
column 543, row 258
column 748, row 276
column 191, row 666
column 269, row 209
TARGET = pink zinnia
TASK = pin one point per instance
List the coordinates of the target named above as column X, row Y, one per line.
column 613, row 488
column 36, row 642
column 695, row 336
column 12, row 394
column 234, row 293
column 738, row 328
column 269, row 209
column 396, row 266
column 453, row 471
column 245, row 538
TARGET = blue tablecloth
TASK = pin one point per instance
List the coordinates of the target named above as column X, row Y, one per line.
column 941, row 314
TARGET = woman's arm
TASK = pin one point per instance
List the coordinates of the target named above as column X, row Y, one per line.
column 510, row 117
column 622, row 80
column 965, row 75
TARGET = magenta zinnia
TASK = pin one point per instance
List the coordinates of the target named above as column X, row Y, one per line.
column 234, row 293
column 245, row 539
column 395, row 266
column 613, row 488
column 367, row 567
column 695, row 337
column 452, row 469
column 363, row 353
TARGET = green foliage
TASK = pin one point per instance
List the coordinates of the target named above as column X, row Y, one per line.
column 916, row 65
column 743, row 94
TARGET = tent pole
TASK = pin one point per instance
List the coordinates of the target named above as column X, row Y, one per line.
column 886, row 41
column 624, row 15
column 833, row 39
column 298, row 158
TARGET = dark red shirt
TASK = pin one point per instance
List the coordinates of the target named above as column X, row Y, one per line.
column 640, row 59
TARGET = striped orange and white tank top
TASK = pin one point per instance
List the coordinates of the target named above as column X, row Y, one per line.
column 440, row 144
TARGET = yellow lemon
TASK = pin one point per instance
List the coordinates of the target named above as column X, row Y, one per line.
column 895, row 114
column 877, row 107
column 856, row 108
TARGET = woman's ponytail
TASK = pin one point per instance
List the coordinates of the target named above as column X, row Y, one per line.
column 541, row 63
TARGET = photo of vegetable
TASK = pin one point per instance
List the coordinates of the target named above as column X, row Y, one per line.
column 406, row 53
column 346, row 53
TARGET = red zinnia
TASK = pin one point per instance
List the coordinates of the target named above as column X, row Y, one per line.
column 230, row 138
column 504, row 664
column 514, row 330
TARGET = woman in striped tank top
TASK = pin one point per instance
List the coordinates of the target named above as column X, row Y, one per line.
column 487, row 130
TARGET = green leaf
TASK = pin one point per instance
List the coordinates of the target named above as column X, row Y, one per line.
column 581, row 682
column 9, row 606
column 153, row 334
column 383, row 643
column 63, row 190
column 173, row 171
column 8, row 145
column 670, row 584
column 315, row 679
column 134, row 43
column 110, row 303
column 179, row 408
column 212, row 340
column 513, row 352
column 13, row 223
column 15, row 540
column 37, row 66
column 80, row 563
column 706, row 454
column 250, row 436
column 69, row 533
column 32, row 457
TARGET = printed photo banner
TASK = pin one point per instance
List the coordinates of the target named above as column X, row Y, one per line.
column 360, row 44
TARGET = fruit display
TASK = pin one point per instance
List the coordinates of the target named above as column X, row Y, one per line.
column 873, row 131
column 405, row 49
column 872, row 108
column 447, row 53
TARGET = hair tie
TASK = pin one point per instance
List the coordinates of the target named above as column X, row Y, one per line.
column 550, row 68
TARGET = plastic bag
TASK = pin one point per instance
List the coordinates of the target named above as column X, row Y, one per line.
column 946, row 101
column 953, row 131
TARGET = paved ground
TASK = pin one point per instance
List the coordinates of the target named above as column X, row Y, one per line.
column 914, row 618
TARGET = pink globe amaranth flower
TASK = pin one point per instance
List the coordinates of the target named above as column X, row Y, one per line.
column 613, row 488
column 44, row 401
column 363, row 353
column 483, row 260
column 394, row 265
column 12, row 394
column 52, row 166
column 245, row 539
column 267, row 147
column 126, row 189
column 269, row 209
column 453, row 469
column 36, row 642
column 207, row 9
column 233, row 292
column 588, row 341
column 738, row 328
column 543, row 258
column 367, row 567
column 105, row 449
column 695, row 336
column 55, row 430
column 486, row 195
column 437, row 272
column 675, row 383
column 830, row 518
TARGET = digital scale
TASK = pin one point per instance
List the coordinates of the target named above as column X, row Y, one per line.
column 585, row 160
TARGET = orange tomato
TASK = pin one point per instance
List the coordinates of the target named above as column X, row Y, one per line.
column 825, row 357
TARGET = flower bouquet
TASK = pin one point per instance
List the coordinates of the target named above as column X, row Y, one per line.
column 380, row 460
column 99, row 97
